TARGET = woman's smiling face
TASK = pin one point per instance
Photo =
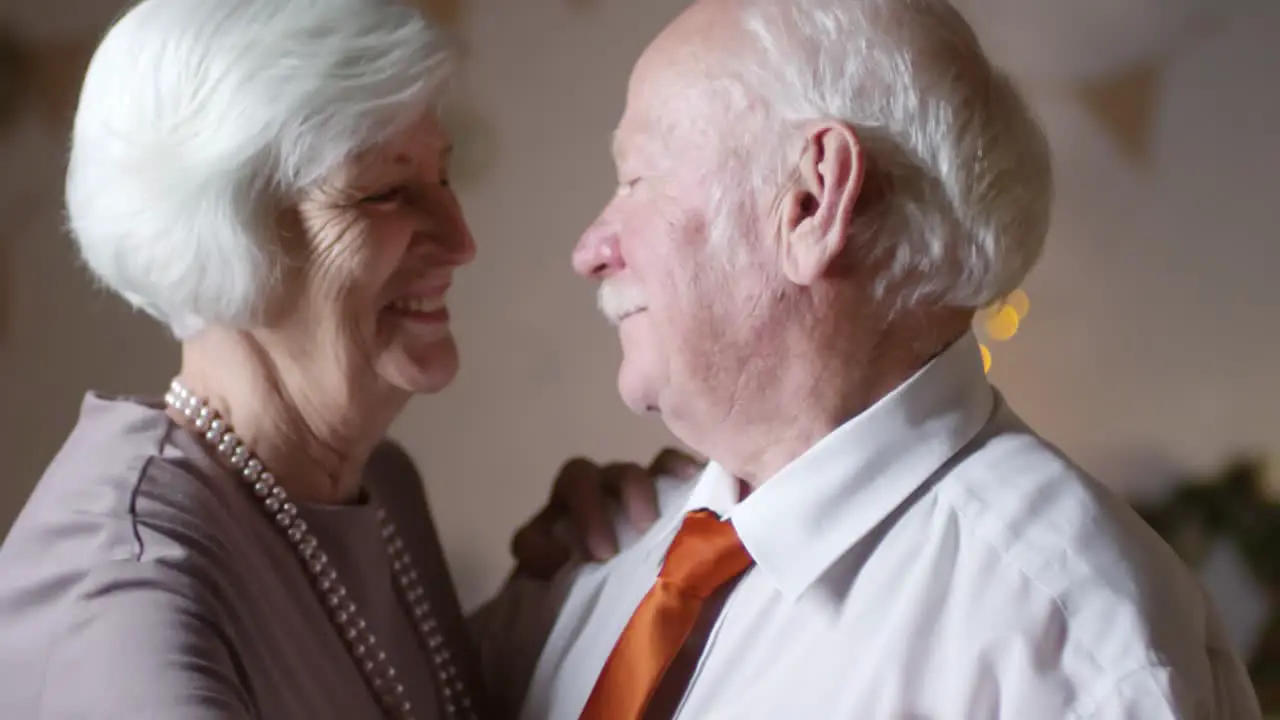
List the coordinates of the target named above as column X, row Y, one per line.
column 381, row 237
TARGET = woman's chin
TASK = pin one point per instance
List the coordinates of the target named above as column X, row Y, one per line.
column 423, row 368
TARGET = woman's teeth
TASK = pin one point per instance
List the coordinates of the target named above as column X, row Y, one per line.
column 419, row 304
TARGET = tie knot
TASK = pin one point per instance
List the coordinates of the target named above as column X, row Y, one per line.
column 705, row 554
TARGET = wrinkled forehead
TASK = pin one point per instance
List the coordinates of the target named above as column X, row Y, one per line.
column 424, row 138
column 418, row 145
column 688, row 77
column 678, row 91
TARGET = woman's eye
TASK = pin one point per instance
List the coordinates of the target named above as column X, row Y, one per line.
column 385, row 198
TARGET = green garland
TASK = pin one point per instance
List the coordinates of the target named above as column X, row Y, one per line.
column 1232, row 504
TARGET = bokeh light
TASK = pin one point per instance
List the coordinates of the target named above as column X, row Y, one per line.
column 1003, row 324
column 1020, row 303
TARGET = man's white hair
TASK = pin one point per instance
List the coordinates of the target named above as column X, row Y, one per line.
column 958, row 184
column 199, row 121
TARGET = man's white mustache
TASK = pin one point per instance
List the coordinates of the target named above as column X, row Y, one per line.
column 617, row 300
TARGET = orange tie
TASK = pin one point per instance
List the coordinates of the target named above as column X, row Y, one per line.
column 705, row 554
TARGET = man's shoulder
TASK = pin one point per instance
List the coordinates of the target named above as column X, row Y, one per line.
column 581, row 582
column 1026, row 498
column 672, row 494
column 1117, row 589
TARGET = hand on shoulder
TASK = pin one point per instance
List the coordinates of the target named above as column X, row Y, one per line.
column 588, row 501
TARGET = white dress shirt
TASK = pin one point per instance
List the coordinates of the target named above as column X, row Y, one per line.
column 931, row 558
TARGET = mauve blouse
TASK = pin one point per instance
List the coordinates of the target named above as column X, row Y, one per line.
column 142, row 580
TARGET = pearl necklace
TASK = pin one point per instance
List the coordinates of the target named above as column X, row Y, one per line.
column 376, row 668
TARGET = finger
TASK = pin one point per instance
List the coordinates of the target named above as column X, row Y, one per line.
column 637, row 490
column 535, row 547
column 671, row 462
column 580, row 490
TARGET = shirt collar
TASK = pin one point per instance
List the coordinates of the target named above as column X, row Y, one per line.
column 812, row 511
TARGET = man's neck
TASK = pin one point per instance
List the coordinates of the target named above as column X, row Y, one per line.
column 312, row 427
column 794, row 404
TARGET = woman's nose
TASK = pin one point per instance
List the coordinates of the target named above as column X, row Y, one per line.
column 446, row 234
column 463, row 250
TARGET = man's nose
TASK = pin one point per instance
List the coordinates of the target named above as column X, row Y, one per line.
column 597, row 255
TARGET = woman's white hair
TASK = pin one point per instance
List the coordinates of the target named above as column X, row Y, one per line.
column 200, row 119
column 958, row 185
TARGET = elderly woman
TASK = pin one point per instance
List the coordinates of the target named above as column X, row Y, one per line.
column 267, row 178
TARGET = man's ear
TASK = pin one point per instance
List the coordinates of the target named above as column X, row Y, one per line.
column 817, row 207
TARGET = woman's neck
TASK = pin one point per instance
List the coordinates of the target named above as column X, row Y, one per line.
column 312, row 422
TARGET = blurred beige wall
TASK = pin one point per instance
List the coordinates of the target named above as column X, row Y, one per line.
column 1152, row 343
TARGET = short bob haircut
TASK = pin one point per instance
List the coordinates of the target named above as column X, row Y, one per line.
column 200, row 119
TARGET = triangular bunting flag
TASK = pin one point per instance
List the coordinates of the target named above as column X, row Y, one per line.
column 1125, row 104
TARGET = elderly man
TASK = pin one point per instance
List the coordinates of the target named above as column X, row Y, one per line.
column 813, row 198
